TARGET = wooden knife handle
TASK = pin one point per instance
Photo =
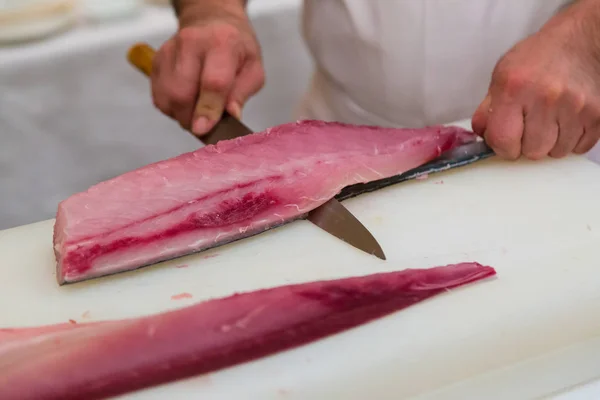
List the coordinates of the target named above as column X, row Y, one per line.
column 141, row 56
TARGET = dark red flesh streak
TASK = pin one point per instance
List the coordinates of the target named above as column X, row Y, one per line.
column 230, row 212
column 269, row 179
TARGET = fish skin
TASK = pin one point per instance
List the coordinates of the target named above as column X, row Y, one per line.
column 225, row 192
column 102, row 359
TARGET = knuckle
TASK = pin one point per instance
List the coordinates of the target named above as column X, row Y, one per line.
column 188, row 35
column 551, row 92
column 189, row 40
column 511, row 80
column 577, row 101
column 225, row 34
column 216, row 83
column 179, row 96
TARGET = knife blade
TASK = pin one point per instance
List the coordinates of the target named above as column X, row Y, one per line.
column 332, row 216
column 459, row 156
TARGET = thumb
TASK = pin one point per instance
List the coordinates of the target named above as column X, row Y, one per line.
column 480, row 117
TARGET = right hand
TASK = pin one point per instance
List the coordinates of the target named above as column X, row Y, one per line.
column 211, row 64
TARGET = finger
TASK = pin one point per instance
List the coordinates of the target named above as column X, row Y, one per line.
column 540, row 132
column 481, row 115
column 218, row 74
column 587, row 142
column 160, row 97
column 504, row 129
column 570, row 130
column 183, row 78
column 591, row 124
column 249, row 81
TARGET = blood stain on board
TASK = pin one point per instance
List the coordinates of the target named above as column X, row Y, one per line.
column 422, row 177
column 86, row 315
column 182, row 266
column 210, row 256
column 439, row 182
column 72, row 321
column 181, row 296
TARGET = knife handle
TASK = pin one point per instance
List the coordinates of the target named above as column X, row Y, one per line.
column 141, row 56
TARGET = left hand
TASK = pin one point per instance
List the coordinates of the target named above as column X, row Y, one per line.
column 544, row 96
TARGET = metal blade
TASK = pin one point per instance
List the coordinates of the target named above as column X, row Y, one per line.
column 460, row 156
column 228, row 127
column 334, row 218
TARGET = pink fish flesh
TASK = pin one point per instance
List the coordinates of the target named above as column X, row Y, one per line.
column 102, row 359
column 224, row 192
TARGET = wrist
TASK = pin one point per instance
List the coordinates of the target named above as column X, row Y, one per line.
column 182, row 6
column 190, row 10
column 584, row 21
column 577, row 24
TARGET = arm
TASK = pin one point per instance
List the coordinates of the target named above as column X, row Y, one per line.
column 212, row 63
column 544, row 95
column 179, row 5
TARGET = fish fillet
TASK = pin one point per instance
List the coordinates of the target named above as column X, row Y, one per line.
column 224, row 192
column 101, row 359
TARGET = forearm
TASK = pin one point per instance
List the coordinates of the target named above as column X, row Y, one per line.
column 578, row 26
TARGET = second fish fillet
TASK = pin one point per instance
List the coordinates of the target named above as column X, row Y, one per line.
column 224, row 192
column 108, row 358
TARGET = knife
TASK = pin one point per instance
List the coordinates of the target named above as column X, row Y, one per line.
column 332, row 216
column 457, row 157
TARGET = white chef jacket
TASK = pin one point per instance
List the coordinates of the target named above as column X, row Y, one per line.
column 409, row 62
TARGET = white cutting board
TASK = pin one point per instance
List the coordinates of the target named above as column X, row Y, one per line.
column 532, row 331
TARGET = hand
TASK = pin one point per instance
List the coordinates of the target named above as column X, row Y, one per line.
column 544, row 96
column 211, row 64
